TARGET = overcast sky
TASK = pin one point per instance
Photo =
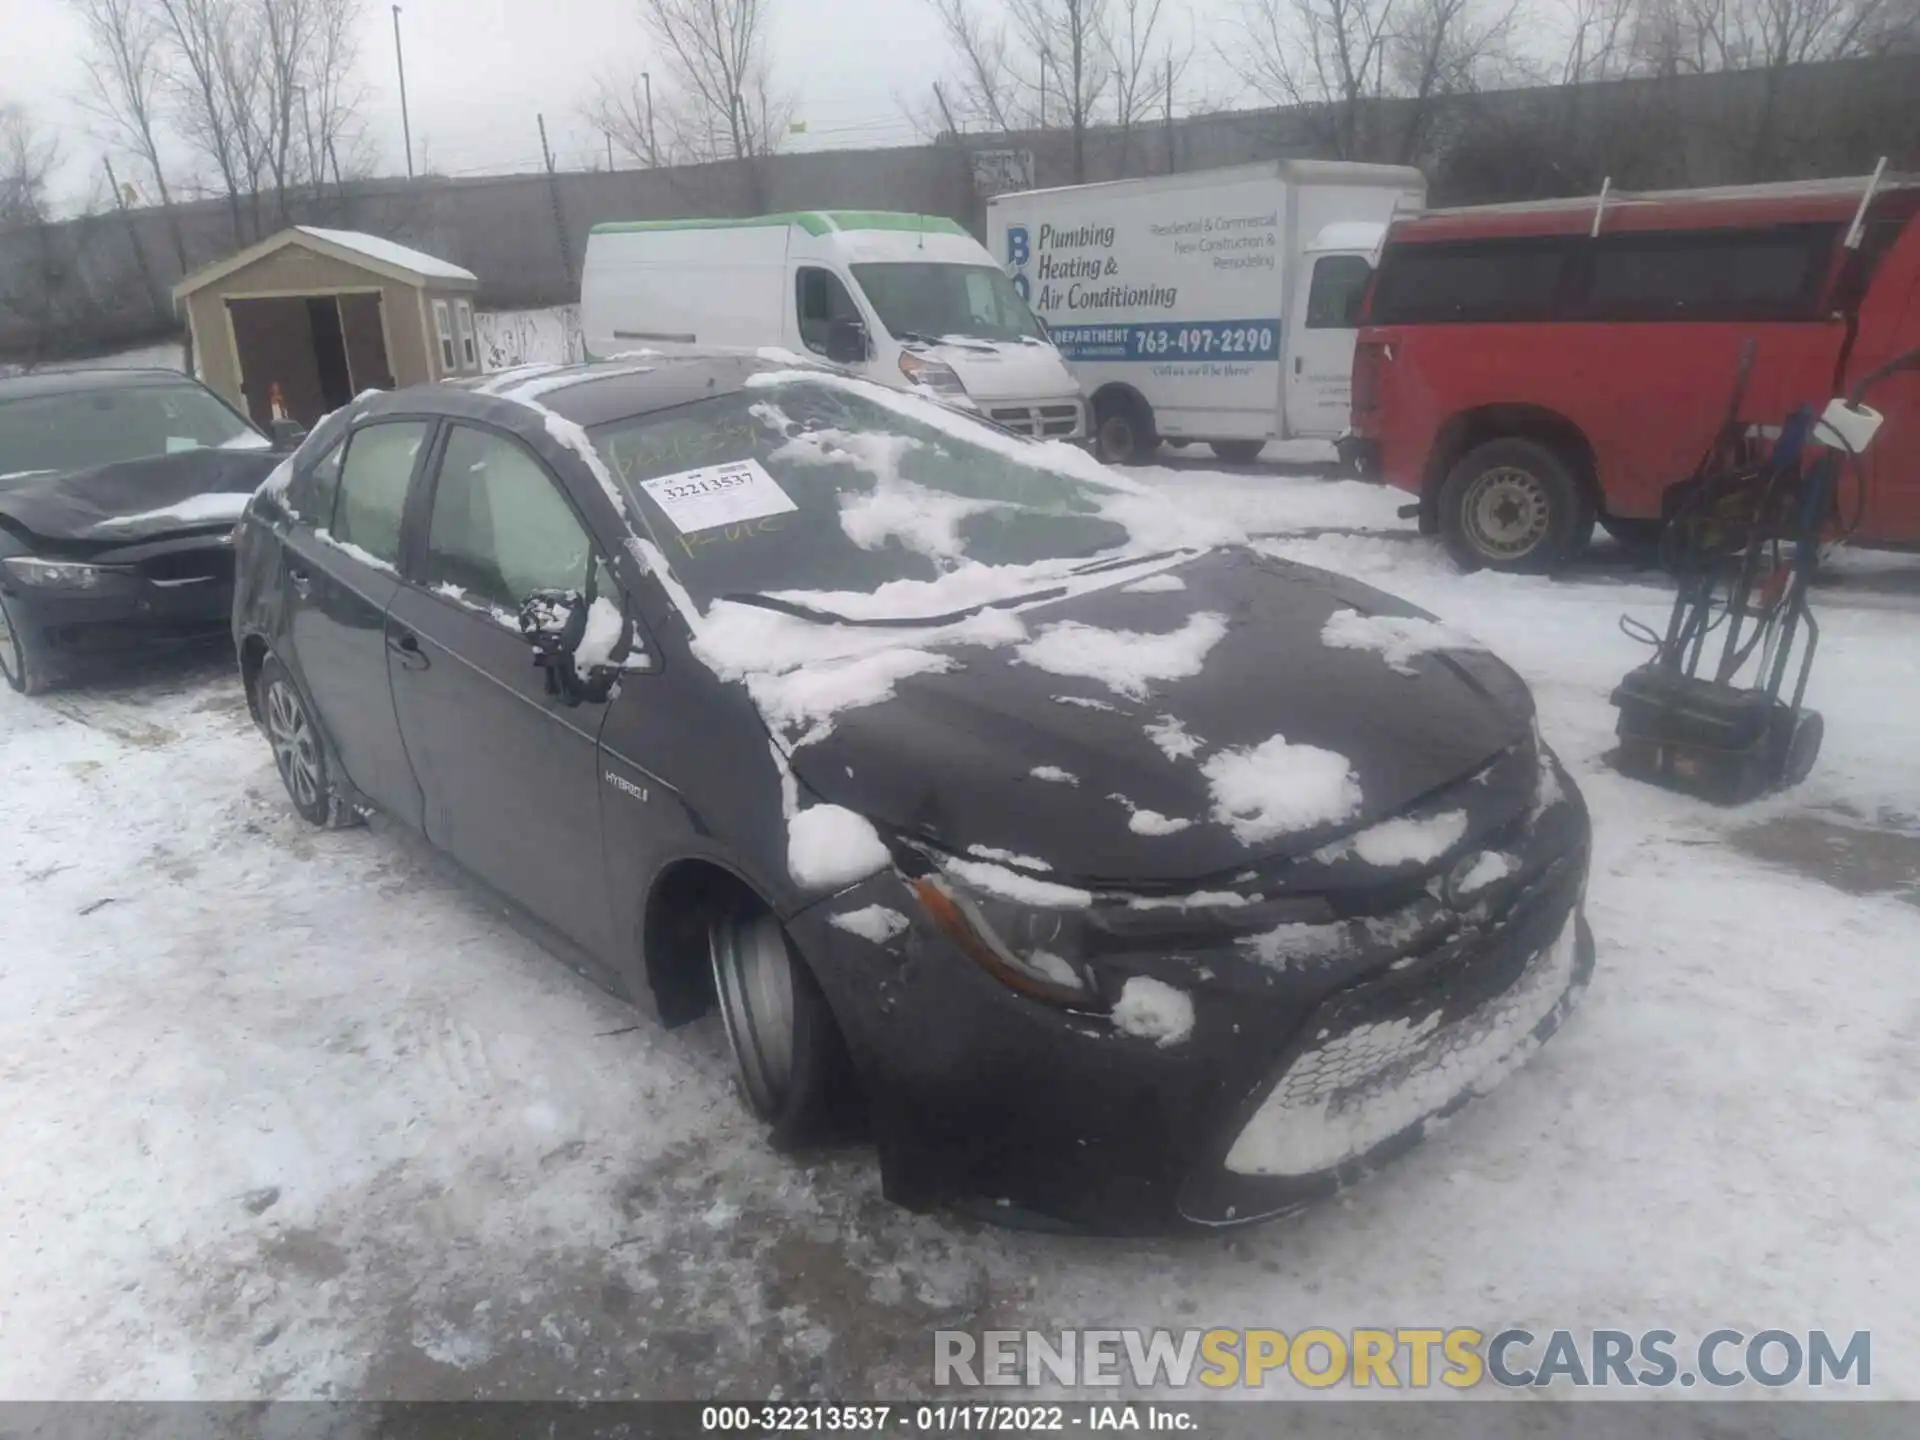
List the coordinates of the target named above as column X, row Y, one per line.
column 474, row 87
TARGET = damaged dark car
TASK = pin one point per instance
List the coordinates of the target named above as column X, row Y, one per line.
column 1109, row 873
column 119, row 490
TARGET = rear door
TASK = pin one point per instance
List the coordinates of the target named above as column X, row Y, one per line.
column 341, row 573
column 508, row 771
column 1318, row 375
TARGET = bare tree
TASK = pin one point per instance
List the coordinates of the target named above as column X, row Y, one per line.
column 984, row 89
column 1145, row 64
column 1600, row 40
column 1329, row 56
column 1067, row 41
column 27, row 159
column 123, row 89
column 1443, row 48
column 717, row 97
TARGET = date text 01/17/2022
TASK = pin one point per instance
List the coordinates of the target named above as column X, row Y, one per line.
column 947, row 1418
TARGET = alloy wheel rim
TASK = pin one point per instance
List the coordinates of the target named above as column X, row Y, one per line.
column 754, row 978
column 292, row 738
column 1116, row 435
column 1507, row 512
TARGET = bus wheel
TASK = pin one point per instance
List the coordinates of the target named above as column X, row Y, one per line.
column 1512, row 505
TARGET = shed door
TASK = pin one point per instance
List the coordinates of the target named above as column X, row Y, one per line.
column 366, row 339
column 273, row 341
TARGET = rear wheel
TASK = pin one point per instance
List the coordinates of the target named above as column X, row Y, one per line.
column 1515, row 505
column 1123, row 430
column 1237, row 452
column 297, row 751
column 22, row 665
column 787, row 1051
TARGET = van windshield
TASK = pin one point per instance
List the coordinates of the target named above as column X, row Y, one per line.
column 920, row 300
column 812, row 485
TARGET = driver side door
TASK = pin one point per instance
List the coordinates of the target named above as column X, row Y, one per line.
column 507, row 770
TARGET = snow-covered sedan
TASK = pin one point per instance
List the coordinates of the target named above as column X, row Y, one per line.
column 1117, row 875
column 118, row 494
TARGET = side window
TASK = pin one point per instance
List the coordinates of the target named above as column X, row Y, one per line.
column 501, row 529
column 822, row 300
column 373, row 486
column 1731, row 275
column 469, row 352
column 312, row 492
column 1333, row 299
column 1474, row 280
column 443, row 326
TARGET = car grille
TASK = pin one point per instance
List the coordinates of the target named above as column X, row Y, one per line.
column 1041, row 421
column 196, row 565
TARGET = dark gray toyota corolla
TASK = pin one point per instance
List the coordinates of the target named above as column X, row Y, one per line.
column 1111, row 874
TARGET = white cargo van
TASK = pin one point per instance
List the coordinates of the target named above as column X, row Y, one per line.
column 1217, row 305
column 907, row 300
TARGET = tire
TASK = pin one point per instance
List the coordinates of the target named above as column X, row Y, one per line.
column 1512, row 505
column 788, row 1057
column 299, row 754
column 22, row 664
column 1237, row 452
column 1123, row 431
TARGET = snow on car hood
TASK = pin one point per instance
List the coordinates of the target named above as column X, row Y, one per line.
column 1197, row 730
column 137, row 499
column 1004, row 370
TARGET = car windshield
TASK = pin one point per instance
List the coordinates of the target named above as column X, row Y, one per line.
column 85, row 428
column 811, row 485
column 920, row 299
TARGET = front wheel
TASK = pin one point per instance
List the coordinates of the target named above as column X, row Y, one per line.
column 22, row 665
column 1237, row 452
column 787, row 1051
column 1123, row 431
column 1512, row 505
column 298, row 753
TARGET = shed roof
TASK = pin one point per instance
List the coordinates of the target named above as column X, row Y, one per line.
column 352, row 247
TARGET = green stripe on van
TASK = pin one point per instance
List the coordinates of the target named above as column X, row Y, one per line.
column 814, row 222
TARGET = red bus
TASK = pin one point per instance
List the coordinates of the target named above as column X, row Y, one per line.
column 1531, row 370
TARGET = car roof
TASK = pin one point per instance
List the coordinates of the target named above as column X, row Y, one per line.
column 605, row 391
column 68, row 382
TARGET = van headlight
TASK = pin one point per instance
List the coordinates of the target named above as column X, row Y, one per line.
column 934, row 375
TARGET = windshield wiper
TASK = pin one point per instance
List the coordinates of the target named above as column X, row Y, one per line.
column 1116, row 562
column 885, row 622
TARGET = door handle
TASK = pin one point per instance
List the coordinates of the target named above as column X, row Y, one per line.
column 406, row 645
column 1298, row 361
column 301, row 581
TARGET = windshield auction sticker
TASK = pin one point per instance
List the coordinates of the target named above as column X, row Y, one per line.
column 718, row 495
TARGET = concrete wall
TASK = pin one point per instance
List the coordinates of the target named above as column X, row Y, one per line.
column 98, row 283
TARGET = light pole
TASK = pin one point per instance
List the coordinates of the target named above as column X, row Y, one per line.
column 400, row 61
column 653, row 146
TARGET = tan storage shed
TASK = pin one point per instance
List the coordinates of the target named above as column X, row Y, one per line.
column 312, row 317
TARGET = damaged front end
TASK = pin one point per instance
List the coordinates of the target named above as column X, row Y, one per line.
column 1325, row 1011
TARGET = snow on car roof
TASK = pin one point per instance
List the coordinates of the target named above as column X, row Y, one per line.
column 390, row 252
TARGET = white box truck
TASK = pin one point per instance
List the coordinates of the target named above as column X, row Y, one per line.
column 1218, row 305
column 906, row 300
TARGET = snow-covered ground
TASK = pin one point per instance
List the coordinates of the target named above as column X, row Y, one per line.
column 289, row 1113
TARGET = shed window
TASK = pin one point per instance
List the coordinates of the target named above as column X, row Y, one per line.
column 463, row 316
column 443, row 324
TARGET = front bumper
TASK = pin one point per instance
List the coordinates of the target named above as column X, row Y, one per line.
column 1042, row 1115
column 170, row 591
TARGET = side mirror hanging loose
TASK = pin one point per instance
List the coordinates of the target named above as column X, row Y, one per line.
column 554, row 622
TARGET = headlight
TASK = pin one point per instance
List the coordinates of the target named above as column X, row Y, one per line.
column 934, row 375
column 1024, row 947
column 56, row 574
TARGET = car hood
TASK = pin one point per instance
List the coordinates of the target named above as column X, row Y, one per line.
column 961, row 758
column 1003, row 370
column 137, row 499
